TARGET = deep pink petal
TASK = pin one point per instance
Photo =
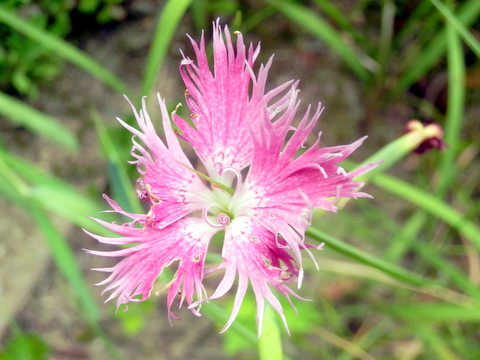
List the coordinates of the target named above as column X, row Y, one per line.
column 225, row 102
column 172, row 190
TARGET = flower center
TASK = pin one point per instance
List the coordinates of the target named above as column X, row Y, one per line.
column 223, row 219
column 218, row 213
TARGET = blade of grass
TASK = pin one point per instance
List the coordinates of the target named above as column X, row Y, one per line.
column 437, row 343
column 342, row 343
column 431, row 204
column 443, row 312
column 68, row 203
column 375, row 262
column 456, row 99
column 64, row 50
column 166, row 26
column 257, row 18
column 455, row 109
column 65, row 261
column 466, row 14
column 120, row 183
column 19, row 192
column 462, row 30
column 435, row 259
column 49, row 192
column 423, row 17
column 340, row 18
column 366, row 272
column 198, row 10
column 61, row 252
column 36, row 121
column 386, row 34
column 314, row 24
column 403, row 240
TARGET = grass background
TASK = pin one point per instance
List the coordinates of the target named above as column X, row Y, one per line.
column 399, row 275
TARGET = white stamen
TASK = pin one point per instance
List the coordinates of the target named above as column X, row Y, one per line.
column 237, row 173
column 222, row 218
column 322, row 170
column 341, row 171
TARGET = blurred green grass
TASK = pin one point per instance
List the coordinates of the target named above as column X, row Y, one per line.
column 401, row 272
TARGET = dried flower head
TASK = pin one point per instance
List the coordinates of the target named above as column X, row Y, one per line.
column 432, row 135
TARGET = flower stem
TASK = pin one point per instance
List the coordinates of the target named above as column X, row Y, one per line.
column 270, row 341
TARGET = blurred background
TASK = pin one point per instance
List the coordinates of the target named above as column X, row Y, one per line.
column 405, row 286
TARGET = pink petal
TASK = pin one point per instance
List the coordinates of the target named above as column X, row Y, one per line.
column 251, row 251
column 172, row 190
column 186, row 241
column 225, row 101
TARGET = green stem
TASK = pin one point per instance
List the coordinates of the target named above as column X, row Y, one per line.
column 356, row 254
column 270, row 341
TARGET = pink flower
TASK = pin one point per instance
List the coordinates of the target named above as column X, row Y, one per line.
column 260, row 192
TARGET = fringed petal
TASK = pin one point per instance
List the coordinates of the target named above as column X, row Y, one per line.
column 132, row 278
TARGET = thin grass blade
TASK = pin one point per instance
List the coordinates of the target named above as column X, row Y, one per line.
column 431, row 204
column 167, row 24
column 437, row 312
column 119, row 179
column 466, row 14
column 51, row 193
column 471, row 41
column 341, row 19
column 66, row 262
column 315, row 25
column 455, row 109
column 20, row 113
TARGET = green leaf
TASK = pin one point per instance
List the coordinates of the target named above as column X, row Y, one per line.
column 166, row 27
column 466, row 14
column 436, row 312
column 49, row 192
column 36, row 121
column 120, row 182
column 314, row 24
column 462, row 30
column 66, row 262
column 455, row 109
column 431, row 204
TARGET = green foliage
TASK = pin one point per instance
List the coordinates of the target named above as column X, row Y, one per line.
column 36, row 121
column 25, row 63
column 134, row 320
column 25, row 347
column 104, row 10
